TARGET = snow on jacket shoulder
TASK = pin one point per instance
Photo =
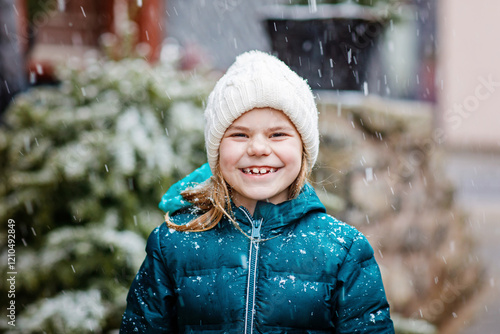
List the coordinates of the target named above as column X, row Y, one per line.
column 308, row 273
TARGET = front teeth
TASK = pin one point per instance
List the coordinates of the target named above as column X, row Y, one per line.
column 260, row 171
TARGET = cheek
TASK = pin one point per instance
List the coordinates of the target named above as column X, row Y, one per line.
column 293, row 153
column 227, row 156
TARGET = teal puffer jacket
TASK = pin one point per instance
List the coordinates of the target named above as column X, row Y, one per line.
column 303, row 271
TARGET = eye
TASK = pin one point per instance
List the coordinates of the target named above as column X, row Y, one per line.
column 238, row 135
column 278, row 134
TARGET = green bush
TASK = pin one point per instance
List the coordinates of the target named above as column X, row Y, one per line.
column 83, row 166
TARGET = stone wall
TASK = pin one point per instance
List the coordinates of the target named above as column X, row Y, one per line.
column 380, row 167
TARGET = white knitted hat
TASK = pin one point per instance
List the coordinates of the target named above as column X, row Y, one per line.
column 259, row 80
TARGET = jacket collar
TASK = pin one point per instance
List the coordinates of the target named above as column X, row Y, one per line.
column 275, row 216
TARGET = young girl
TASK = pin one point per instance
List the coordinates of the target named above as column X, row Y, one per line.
column 247, row 246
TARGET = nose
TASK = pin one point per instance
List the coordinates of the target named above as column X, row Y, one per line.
column 258, row 146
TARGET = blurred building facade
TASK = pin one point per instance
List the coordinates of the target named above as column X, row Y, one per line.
column 469, row 91
column 50, row 33
column 469, row 118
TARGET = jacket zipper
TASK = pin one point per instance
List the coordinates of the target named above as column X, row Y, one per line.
column 252, row 272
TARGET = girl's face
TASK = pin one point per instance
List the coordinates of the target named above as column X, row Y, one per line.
column 260, row 155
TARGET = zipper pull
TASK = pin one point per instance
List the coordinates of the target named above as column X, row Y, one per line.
column 256, row 225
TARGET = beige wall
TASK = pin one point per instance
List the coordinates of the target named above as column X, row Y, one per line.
column 469, row 67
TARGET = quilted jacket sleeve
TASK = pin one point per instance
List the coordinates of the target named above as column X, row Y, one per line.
column 150, row 301
column 362, row 304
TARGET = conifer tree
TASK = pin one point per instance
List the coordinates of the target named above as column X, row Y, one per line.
column 83, row 166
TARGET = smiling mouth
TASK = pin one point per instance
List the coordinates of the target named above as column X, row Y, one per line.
column 259, row 170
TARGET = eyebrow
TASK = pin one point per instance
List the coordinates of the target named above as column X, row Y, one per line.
column 237, row 128
column 281, row 128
